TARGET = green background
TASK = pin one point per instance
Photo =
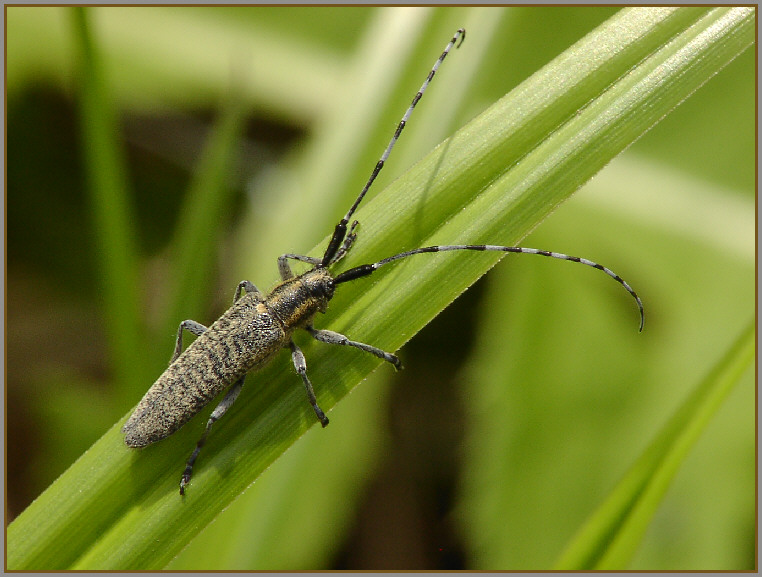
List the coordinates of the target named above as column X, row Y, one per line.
column 520, row 406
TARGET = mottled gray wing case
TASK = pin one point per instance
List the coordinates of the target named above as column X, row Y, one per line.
column 242, row 339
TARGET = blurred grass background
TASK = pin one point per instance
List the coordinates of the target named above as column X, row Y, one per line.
column 541, row 360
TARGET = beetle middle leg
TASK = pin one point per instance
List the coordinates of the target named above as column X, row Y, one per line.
column 217, row 413
column 300, row 364
column 334, row 338
column 197, row 328
column 192, row 327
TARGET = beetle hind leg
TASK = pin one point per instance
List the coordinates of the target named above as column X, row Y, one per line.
column 220, row 410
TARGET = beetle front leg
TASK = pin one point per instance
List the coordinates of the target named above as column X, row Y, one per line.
column 285, row 270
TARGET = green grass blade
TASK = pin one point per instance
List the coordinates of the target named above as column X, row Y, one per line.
column 611, row 536
column 494, row 180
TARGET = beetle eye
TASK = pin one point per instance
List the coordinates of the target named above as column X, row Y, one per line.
column 326, row 289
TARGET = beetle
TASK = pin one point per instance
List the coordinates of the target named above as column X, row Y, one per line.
column 257, row 326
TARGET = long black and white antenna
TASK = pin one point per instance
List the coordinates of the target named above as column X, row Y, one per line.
column 341, row 229
column 366, row 269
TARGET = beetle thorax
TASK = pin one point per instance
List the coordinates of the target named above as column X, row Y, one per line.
column 296, row 300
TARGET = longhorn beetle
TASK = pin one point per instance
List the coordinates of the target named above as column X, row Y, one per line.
column 254, row 329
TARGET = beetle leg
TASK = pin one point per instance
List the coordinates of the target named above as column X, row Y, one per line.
column 334, row 338
column 300, row 364
column 285, row 270
column 191, row 326
column 220, row 410
column 248, row 287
